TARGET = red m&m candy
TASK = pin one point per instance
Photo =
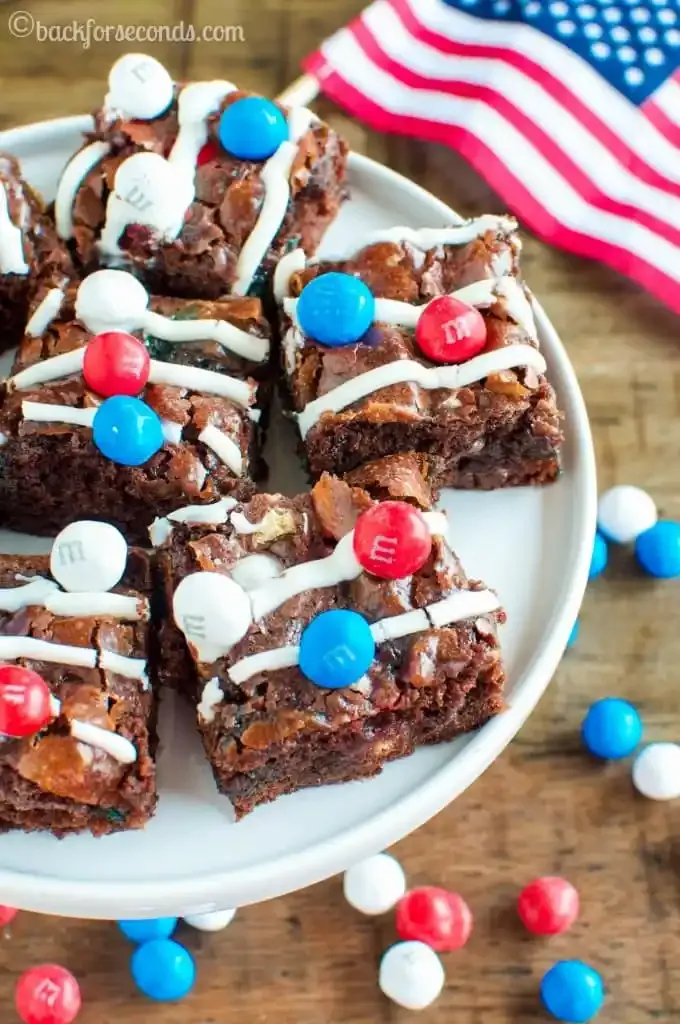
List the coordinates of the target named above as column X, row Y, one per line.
column 210, row 151
column 47, row 995
column 24, row 701
column 7, row 915
column 548, row 906
column 450, row 331
column 440, row 919
column 115, row 363
column 392, row 540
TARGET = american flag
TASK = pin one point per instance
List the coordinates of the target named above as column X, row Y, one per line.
column 569, row 108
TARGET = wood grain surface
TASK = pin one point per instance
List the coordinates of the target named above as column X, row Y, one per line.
column 544, row 807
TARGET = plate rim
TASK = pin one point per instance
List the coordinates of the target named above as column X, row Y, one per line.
column 323, row 859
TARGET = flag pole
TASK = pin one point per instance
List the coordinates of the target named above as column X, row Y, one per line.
column 301, row 92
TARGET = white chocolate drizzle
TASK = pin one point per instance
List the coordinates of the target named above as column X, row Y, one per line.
column 224, row 447
column 463, row 604
column 47, row 412
column 275, row 177
column 118, row 747
column 196, row 102
column 223, row 333
column 213, row 515
column 71, row 179
column 14, row 647
column 46, row 593
column 292, row 263
column 45, row 312
column 172, row 432
column 12, row 259
column 242, row 524
column 46, row 370
column 211, row 698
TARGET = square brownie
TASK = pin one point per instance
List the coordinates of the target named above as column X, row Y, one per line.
column 478, row 403
column 267, row 728
column 88, row 763
column 207, row 373
column 31, row 255
column 155, row 191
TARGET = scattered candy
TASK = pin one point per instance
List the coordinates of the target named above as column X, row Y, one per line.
column 139, row 87
column 598, row 561
column 89, row 556
column 127, row 431
column 374, row 885
column 573, row 636
column 47, row 995
column 411, row 975
column 335, row 309
column 7, row 914
column 440, row 919
column 115, row 363
column 211, row 609
column 145, row 931
column 658, row 550
column 392, row 540
column 163, row 970
column 572, row 991
column 624, row 512
column 111, row 300
column 213, row 922
column 656, row 771
column 24, row 701
column 612, row 729
column 336, row 648
column 450, row 331
column 548, row 906
column 252, row 128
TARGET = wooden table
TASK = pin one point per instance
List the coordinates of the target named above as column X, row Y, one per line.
column 544, row 807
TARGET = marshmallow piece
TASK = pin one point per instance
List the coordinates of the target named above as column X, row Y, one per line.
column 111, row 300
column 411, row 975
column 213, row 612
column 214, row 922
column 375, row 885
column 88, row 556
column 139, row 87
column 251, row 571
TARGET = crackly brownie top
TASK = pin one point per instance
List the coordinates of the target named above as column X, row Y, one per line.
column 476, row 263
column 90, row 649
column 194, row 382
column 257, row 544
column 29, row 246
column 189, row 194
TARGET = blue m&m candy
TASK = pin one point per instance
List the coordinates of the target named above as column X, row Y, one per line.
column 658, row 549
column 336, row 649
column 163, row 970
column 598, row 561
column 612, row 729
column 573, row 636
column 252, row 128
column 572, row 991
column 145, row 931
column 126, row 430
column 335, row 309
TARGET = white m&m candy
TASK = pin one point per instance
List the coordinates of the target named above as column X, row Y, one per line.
column 411, row 974
column 89, row 557
column 375, row 885
column 213, row 922
column 139, row 87
column 111, row 300
column 213, row 612
column 656, row 771
column 624, row 512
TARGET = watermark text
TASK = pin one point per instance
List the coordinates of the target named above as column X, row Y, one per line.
column 24, row 25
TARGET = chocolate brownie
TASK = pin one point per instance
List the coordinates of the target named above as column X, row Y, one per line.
column 206, row 376
column 489, row 421
column 31, row 255
column 190, row 218
column 88, row 764
column 267, row 728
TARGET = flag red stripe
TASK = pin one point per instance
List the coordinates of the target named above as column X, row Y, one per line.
column 664, row 124
column 488, row 164
column 557, row 89
column 546, row 145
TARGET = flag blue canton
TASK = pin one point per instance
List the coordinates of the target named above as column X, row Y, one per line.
column 634, row 46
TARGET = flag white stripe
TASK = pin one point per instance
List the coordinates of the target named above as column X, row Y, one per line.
column 594, row 159
column 577, row 75
column 524, row 161
column 667, row 99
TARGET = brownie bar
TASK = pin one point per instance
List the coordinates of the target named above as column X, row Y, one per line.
column 31, row 255
column 51, row 780
column 204, row 389
column 228, row 228
column 272, row 731
column 482, row 428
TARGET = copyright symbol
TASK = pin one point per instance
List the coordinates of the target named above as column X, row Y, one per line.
column 21, row 24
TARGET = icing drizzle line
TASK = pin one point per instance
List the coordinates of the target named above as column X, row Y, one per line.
column 12, row 260
column 112, row 743
column 71, row 179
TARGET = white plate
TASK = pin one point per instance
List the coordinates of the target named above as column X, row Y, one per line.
column 533, row 545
